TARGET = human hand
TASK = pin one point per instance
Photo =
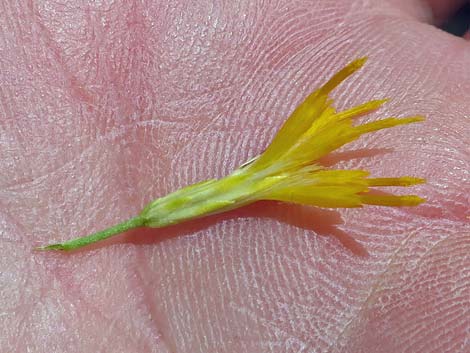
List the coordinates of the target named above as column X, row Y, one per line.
column 106, row 106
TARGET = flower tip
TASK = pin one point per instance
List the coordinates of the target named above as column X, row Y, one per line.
column 358, row 63
column 383, row 101
column 412, row 200
column 409, row 181
column 417, row 118
column 354, row 65
column 341, row 75
column 376, row 104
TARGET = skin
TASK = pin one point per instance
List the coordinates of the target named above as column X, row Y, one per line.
column 105, row 106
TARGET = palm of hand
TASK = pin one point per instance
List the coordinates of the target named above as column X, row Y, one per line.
column 106, row 108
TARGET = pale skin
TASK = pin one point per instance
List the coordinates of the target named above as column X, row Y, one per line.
column 106, row 107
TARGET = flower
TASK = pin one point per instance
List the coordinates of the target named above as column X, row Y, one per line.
column 287, row 171
column 312, row 131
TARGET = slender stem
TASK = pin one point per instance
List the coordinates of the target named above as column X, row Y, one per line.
column 92, row 238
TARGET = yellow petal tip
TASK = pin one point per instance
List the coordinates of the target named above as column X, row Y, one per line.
column 411, row 200
column 358, row 63
column 416, row 118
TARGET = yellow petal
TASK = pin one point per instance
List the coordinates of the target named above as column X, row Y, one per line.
column 361, row 109
column 401, row 181
column 335, row 177
column 316, row 144
column 386, row 123
column 336, row 133
column 342, row 74
column 391, row 200
column 339, row 188
column 320, row 196
column 304, row 115
column 323, row 188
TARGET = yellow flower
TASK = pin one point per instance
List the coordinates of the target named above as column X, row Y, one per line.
column 287, row 171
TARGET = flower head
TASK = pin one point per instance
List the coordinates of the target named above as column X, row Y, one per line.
column 287, row 171
column 314, row 130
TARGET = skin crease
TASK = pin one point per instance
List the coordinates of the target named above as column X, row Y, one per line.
column 106, row 105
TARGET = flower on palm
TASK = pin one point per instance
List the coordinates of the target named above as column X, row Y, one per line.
column 288, row 170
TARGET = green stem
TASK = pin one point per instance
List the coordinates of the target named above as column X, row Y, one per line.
column 93, row 238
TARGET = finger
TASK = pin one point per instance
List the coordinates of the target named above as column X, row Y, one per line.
column 431, row 11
